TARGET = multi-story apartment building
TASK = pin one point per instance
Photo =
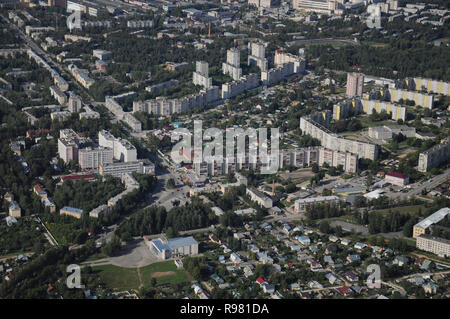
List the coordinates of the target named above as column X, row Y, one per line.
column 434, row 156
column 71, row 211
column 387, row 131
column 58, row 94
column 235, row 88
column 200, row 76
column 300, row 205
column 68, row 144
column 318, row 6
column 422, row 99
column 259, row 197
column 80, row 76
column 118, row 169
column 163, row 106
column 133, row 122
column 429, row 85
column 123, row 150
column 438, row 246
column 233, row 65
column 335, row 142
column 92, row 158
column 355, row 84
column 257, row 55
column 263, row 3
column 421, row 227
column 282, row 58
column 74, row 104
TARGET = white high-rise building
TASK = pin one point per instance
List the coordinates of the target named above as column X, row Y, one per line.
column 232, row 66
column 92, row 158
column 123, row 150
column 200, row 76
column 258, row 55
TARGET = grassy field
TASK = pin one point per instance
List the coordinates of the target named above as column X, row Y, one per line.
column 414, row 209
column 132, row 278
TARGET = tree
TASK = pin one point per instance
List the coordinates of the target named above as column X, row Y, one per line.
column 324, row 227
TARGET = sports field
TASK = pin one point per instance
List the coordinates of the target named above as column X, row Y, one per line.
column 132, row 278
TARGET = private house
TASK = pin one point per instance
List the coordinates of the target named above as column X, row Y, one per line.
column 14, row 209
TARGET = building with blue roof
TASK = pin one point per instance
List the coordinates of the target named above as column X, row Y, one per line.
column 71, row 211
column 173, row 247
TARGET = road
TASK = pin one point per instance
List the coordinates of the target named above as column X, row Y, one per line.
column 431, row 183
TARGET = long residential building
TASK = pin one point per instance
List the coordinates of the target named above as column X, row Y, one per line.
column 429, row 85
column 345, row 109
column 335, row 142
column 298, row 157
column 80, row 76
column 259, row 197
column 300, row 205
column 421, row 227
column 118, row 169
column 235, row 88
column 163, row 106
column 434, row 156
column 438, row 246
column 421, row 99
column 318, row 6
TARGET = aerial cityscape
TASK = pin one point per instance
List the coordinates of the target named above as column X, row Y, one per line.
column 225, row 150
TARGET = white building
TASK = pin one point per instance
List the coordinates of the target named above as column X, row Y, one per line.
column 173, row 247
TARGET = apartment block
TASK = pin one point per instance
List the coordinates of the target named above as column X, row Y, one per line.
column 438, row 246
column 335, row 142
column 301, row 205
column 81, row 76
column 58, row 94
column 421, row 227
column 123, row 150
column 200, row 76
column 235, row 88
column 421, row 99
column 68, row 144
column 257, row 55
column 92, row 158
column 259, row 197
column 74, row 104
column 388, row 131
column 355, row 84
column 165, row 107
column 263, row 3
column 71, row 211
column 429, row 85
column 434, row 156
column 118, row 169
column 233, row 63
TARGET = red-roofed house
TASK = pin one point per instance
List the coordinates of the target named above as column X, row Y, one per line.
column 396, row 178
column 345, row 291
column 260, row 281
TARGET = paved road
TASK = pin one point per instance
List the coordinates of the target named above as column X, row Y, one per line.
column 134, row 255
